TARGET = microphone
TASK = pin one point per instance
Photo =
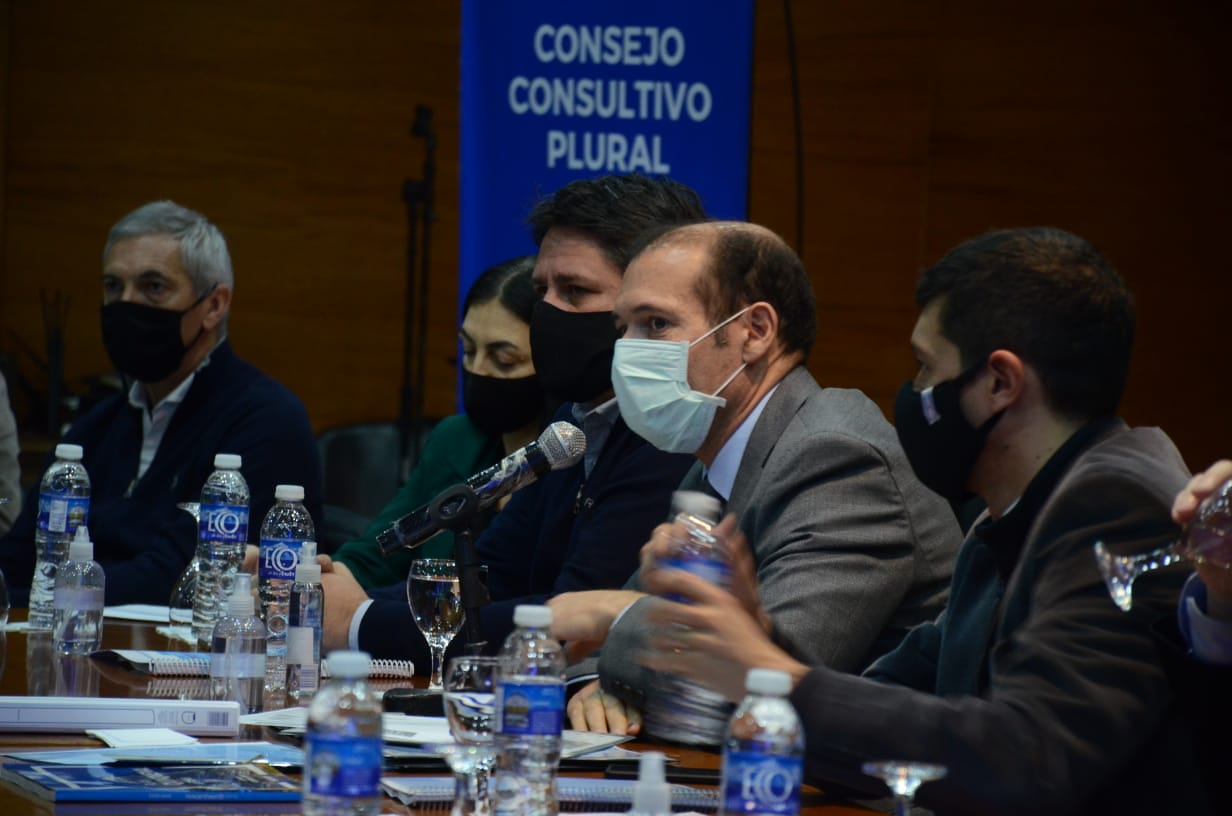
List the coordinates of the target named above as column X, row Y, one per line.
column 561, row 445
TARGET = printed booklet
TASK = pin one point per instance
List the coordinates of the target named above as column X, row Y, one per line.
column 109, row 783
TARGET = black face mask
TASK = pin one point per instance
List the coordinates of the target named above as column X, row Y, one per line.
column 498, row 405
column 144, row 341
column 940, row 443
column 572, row 352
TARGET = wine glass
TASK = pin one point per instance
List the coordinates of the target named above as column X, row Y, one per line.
column 903, row 779
column 470, row 696
column 4, row 602
column 180, row 604
column 1207, row 539
column 436, row 602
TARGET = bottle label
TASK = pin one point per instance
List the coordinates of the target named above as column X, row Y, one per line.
column 278, row 559
column 233, row 664
column 302, row 678
column 58, row 514
column 714, row 570
column 346, row 766
column 79, row 599
column 759, row 783
column 530, row 708
column 224, row 522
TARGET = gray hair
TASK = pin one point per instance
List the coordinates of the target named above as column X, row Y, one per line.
column 203, row 250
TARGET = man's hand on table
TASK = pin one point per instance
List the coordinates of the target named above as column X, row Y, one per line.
column 592, row 709
column 343, row 595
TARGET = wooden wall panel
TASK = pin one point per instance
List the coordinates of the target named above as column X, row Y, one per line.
column 288, row 125
column 1112, row 121
column 924, row 122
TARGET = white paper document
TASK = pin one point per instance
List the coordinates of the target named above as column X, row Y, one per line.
column 406, row 729
column 141, row 737
column 148, row 613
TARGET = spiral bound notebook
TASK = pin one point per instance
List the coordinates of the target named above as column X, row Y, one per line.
column 574, row 793
column 197, row 664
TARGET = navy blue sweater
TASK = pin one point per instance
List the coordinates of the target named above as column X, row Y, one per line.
column 141, row 539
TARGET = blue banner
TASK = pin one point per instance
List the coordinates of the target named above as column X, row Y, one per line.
column 555, row 90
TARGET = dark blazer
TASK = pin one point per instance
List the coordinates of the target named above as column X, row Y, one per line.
column 1040, row 696
column 851, row 550
column 563, row 533
column 141, row 539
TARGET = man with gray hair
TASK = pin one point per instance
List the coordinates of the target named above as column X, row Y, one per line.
column 167, row 289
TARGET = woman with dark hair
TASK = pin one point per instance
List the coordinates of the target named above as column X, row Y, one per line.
column 505, row 409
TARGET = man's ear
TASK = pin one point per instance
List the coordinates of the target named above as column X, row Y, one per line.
column 217, row 304
column 1008, row 379
column 763, row 330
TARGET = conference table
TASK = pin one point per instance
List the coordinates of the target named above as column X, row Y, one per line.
column 28, row 667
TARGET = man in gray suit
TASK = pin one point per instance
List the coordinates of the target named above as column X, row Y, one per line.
column 850, row 550
column 1033, row 689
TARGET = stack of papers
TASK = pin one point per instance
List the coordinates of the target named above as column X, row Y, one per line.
column 420, row 791
column 212, row 753
column 406, row 729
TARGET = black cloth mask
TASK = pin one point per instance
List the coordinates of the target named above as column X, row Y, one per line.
column 498, row 406
column 572, row 352
column 940, row 443
column 144, row 341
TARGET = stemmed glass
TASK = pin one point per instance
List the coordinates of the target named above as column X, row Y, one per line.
column 180, row 604
column 470, row 696
column 4, row 590
column 4, row 602
column 904, row 779
column 436, row 602
column 1206, row 540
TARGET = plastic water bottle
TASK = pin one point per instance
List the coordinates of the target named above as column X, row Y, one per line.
column 64, row 505
column 222, row 532
column 529, row 711
column 763, row 752
column 304, row 626
column 77, row 622
column 342, row 764
column 678, row 709
column 695, row 548
column 237, row 658
column 286, row 527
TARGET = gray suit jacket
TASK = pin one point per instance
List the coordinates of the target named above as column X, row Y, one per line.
column 851, row 549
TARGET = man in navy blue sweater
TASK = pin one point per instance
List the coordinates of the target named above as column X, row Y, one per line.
column 167, row 286
column 581, row 527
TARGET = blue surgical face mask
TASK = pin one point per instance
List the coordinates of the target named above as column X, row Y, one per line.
column 651, row 380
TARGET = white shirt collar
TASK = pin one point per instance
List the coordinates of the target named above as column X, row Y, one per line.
column 137, row 396
column 722, row 473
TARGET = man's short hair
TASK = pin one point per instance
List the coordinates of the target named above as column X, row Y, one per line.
column 1050, row 297
column 616, row 210
column 747, row 264
column 203, row 250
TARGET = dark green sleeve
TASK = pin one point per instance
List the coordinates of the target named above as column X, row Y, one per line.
column 455, row 450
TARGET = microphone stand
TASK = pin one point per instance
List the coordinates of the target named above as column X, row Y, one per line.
column 415, row 321
column 457, row 509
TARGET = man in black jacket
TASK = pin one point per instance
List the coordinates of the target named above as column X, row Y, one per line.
column 167, row 288
column 581, row 527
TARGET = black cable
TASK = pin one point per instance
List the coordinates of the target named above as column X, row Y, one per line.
column 797, row 117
